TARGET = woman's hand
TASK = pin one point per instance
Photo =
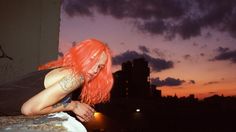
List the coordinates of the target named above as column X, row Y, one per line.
column 83, row 111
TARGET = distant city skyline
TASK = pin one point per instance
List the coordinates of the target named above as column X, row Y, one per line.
column 190, row 47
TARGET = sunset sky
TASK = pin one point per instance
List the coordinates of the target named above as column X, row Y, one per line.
column 190, row 44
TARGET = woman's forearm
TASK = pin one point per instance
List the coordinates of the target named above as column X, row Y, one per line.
column 55, row 108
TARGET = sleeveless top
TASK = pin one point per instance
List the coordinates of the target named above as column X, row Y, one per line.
column 14, row 94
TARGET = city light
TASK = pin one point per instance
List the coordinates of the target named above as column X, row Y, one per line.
column 137, row 110
column 98, row 115
column 99, row 122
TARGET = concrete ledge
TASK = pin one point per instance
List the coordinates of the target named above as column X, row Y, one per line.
column 57, row 122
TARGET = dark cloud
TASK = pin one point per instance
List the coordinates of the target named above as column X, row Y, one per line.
column 78, row 7
column 154, row 27
column 189, row 28
column 195, row 44
column 169, row 81
column 212, row 92
column 192, row 82
column 212, row 82
column 144, row 49
column 186, row 18
column 159, row 53
column 225, row 54
column 208, row 35
column 187, row 57
column 202, row 54
column 155, row 63
column 203, row 47
column 222, row 50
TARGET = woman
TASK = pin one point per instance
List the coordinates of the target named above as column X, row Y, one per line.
column 86, row 66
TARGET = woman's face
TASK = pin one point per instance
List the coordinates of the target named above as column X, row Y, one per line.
column 98, row 66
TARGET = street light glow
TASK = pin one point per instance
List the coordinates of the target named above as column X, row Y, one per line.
column 137, row 110
column 97, row 114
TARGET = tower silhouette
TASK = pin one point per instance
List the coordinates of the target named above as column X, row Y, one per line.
column 132, row 80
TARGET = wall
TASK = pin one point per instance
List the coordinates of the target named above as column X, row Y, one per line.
column 29, row 35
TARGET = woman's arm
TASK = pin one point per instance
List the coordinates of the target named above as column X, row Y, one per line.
column 83, row 111
column 50, row 96
column 44, row 102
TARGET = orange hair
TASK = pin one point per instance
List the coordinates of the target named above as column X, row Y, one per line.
column 81, row 58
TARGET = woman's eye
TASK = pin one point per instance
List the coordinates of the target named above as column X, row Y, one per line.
column 100, row 66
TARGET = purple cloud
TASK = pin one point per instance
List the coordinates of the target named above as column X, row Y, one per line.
column 156, row 64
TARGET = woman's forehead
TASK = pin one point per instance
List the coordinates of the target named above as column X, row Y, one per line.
column 103, row 58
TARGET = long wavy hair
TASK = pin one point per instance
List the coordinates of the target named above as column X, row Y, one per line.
column 81, row 58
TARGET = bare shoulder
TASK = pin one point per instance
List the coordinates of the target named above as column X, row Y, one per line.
column 56, row 75
column 61, row 70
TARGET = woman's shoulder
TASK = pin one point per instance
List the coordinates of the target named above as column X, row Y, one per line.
column 61, row 70
column 56, row 75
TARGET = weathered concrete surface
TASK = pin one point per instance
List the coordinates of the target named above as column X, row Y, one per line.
column 32, row 124
column 59, row 122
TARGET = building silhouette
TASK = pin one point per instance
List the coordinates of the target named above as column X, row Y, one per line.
column 131, row 111
column 132, row 80
column 155, row 92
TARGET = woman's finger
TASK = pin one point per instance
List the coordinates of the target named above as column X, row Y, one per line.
column 81, row 119
column 89, row 108
column 84, row 112
column 84, row 118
